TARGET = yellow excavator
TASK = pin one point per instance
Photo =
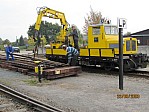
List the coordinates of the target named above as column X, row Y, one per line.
column 50, row 13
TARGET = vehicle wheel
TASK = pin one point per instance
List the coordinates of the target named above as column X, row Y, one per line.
column 108, row 66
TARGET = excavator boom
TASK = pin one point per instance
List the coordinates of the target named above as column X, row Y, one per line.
column 47, row 12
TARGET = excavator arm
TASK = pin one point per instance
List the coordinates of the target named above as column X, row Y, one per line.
column 47, row 12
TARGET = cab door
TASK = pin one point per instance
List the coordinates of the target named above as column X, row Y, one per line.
column 95, row 37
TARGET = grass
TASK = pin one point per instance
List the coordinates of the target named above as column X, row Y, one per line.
column 33, row 81
column 29, row 48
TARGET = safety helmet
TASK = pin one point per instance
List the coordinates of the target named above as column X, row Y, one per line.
column 47, row 46
column 64, row 46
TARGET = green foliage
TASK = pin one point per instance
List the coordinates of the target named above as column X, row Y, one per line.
column 21, row 41
column 47, row 29
column 25, row 41
column 22, row 47
column 31, row 30
column 32, row 81
column 6, row 42
column 1, row 41
column 1, row 47
column 17, row 42
column 30, row 48
column 31, row 41
column 13, row 43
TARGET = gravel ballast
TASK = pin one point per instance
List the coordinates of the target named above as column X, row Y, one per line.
column 87, row 92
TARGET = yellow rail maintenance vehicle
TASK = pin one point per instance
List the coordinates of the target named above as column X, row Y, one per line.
column 102, row 48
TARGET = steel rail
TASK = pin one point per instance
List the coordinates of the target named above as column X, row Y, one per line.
column 115, row 72
column 28, row 100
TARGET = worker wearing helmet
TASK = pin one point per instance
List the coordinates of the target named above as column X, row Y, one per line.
column 74, row 33
column 9, row 51
column 72, row 55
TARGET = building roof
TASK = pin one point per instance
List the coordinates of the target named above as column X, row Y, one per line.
column 143, row 33
column 96, row 25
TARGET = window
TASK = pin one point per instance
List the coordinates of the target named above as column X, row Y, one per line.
column 128, row 45
column 96, row 30
column 114, row 45
column 133, row 45
column 95, row 39
column 111, row 30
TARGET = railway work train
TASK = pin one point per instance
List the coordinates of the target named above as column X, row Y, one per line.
column 102, row 48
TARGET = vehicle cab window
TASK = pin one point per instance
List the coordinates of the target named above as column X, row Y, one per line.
column 111, row 30
column 96, row 31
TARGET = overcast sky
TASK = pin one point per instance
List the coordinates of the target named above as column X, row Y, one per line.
column 17, row 15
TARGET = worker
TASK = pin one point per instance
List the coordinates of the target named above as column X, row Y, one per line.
column 74, row 33
column 72, row 55
column 9, row 51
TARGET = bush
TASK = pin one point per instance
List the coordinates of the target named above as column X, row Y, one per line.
column 1, row 48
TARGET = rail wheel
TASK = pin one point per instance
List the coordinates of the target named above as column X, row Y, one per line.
column 109, row 66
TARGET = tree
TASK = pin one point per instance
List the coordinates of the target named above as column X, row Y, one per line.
column 31, row 41
column 127, row 34
column 1, row 41
column 25, row 41
column 47, row 29
column 21, row 42
column 6, row 42
column 17, row 42
column 94, row 18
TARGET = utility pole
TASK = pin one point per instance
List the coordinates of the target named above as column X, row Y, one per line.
column 121, row 25
column 120, row 58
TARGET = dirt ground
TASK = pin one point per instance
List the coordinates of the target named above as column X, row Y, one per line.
column 87, row 92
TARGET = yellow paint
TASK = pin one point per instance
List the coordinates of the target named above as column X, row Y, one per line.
column 37, row 62
column 84, row 52
column 36, row 69
column 94, row 52
column 50, row 13
column 48, row 51
column 101, row 42
column 107, row 53
column 59, row 52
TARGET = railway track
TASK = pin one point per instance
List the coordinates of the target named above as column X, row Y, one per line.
column 115, row 72
column 7, row 104
column 50, row 69
column 30, row 102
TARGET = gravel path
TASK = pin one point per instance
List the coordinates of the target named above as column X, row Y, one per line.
column 88, row 92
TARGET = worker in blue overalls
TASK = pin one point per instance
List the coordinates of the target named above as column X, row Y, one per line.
column 9, row 51
column 72, row 55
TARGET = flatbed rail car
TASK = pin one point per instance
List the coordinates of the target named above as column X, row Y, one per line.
column 103, row 50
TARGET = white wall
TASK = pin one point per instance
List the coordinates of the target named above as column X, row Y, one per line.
column 143, row 49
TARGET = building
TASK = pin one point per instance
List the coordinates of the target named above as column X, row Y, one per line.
column 142, row 37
